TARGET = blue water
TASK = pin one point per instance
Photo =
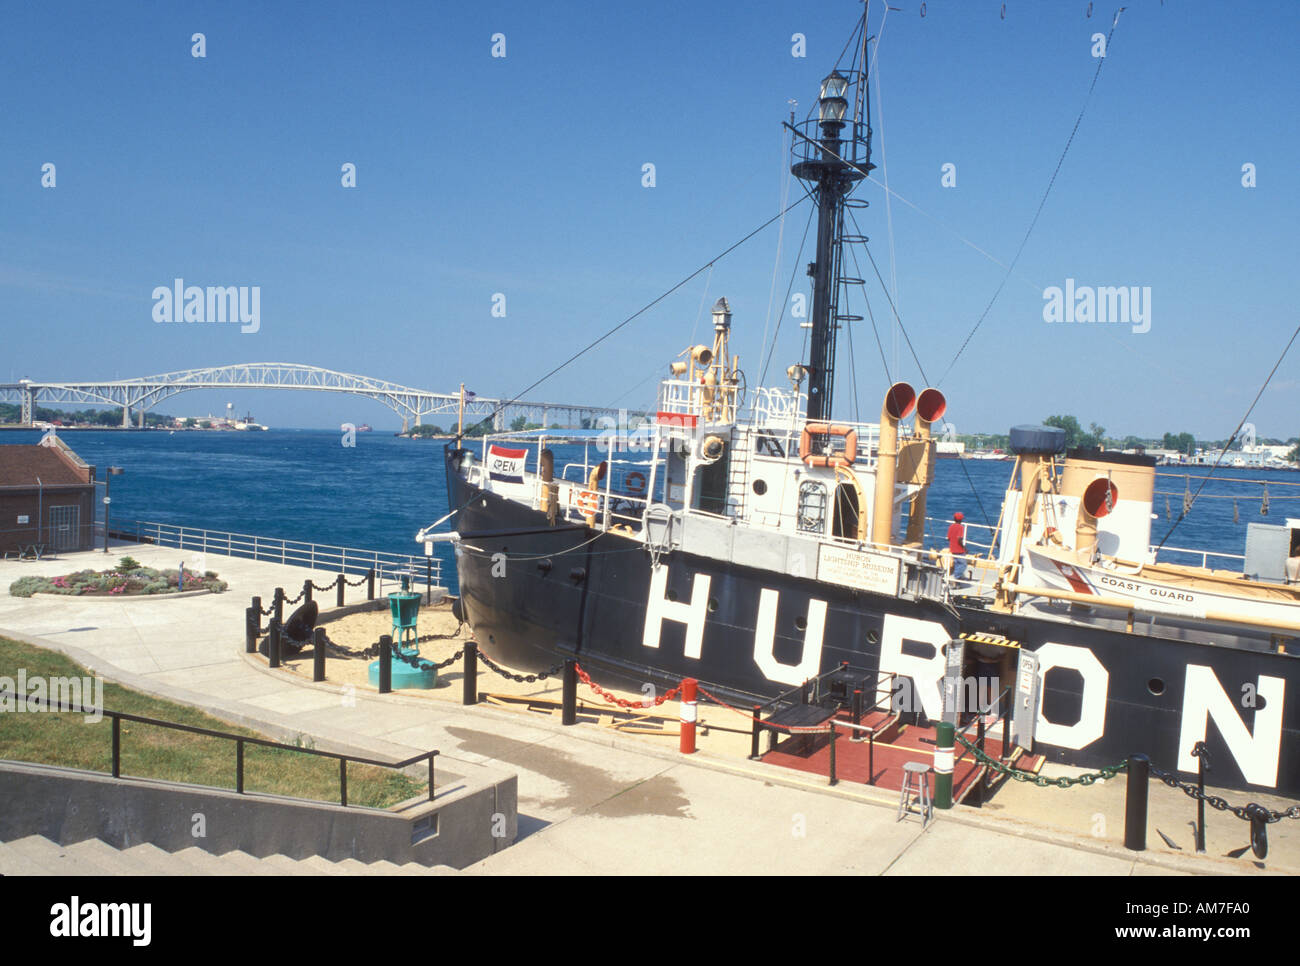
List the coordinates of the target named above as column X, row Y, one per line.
column 305, row 485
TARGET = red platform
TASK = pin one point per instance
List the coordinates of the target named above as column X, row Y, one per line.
column 895, row 744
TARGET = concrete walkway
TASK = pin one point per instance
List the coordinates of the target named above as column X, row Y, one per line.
column 590, row 802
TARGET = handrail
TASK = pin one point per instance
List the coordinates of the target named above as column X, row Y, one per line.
column 117, row 717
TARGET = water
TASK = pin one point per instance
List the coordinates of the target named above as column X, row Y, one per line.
column 304, row 485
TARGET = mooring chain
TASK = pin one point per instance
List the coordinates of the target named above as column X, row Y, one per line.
column 623, row 702
column 519, row 678
column 1104, row 774
column 1246, row 813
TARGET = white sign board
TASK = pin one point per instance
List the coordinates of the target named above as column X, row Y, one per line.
column 857, row 568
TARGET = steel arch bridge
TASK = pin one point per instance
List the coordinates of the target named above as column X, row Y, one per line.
column 141, row 395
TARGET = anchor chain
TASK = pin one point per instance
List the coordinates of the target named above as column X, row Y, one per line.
column 623, row 702
column 1104, row 774
column 1246, row 813
column 519, row 678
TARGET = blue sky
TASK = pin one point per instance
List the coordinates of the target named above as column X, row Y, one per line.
column 522, row 175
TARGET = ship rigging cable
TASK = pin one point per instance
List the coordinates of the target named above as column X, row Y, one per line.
column 1205, row 479
column 1101, row 61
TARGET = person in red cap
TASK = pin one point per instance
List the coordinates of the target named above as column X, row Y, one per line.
column 957, row 546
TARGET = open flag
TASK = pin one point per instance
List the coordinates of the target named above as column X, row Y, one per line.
column 506, row 465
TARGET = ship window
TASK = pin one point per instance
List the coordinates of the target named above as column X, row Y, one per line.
column 811, row 514
column 713, row 605
column 1156, row 686
column 801, row 623
column 760, row 487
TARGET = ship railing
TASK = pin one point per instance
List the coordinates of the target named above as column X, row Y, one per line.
column 778, row 408
column 388, row 567
column 713, row 404
column 1205, row 555
column 1003, row 703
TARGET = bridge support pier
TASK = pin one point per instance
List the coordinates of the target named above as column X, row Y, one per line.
column 29, row 406
column 406, row 428
column 126, row 417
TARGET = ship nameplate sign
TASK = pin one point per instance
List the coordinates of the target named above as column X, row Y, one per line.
column 858, row 568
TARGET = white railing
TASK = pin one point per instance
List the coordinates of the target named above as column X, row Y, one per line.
column 1203, row 554
column 388, row 567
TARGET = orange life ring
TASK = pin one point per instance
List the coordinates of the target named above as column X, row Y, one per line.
column 635, row 483
column 847, row 458
column 588, row 501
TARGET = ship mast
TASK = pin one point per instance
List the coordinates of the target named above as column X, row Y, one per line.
column 832, row 165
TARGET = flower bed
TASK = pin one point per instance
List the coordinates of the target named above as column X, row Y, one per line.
column 128, row 579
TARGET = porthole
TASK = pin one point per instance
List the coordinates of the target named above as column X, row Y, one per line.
column 713, row 605
column 801, row 623
column 671, row 595
column 873, row 637
column 1156, row 686
column 760, row 487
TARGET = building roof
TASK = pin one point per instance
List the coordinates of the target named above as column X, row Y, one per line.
column 31, row 466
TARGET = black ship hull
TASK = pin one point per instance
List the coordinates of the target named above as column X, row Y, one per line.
column 534, row 594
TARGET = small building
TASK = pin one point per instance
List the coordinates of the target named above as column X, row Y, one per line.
column 47, row 498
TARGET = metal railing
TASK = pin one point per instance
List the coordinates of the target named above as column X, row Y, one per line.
column 117, row 717
column 388, row 567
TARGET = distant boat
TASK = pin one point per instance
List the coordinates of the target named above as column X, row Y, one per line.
column 365, row 428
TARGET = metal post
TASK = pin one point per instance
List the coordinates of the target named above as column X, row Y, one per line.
column 252, row 623
column 857, row 706
column 318, row 655
column 1200, row 753
column 1135, row 805
column 307, row 590
column 569, row 703
column 834, row 779
column 430, row 776
column 469, row 694
column 239, row 765
column 944, row 739
column 278, row 605
column 343, row 782
column 428, row 580
column 979, row 743
column 273, row 644
column 871, row 757
column 756, row 731
column 338, row 593
column 686, row 741
column 385, row 664
column 117, row 747
column 370, row 584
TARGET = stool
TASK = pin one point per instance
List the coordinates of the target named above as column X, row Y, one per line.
column 918, row 792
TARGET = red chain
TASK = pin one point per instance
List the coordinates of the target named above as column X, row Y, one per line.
column 767, row 724
column 623, row 702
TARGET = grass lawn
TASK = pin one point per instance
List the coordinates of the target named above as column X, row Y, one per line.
column 148, row 751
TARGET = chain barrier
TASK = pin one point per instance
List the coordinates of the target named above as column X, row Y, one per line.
column 519, row 678
column 1103, row 774
column 1244, row 812
column 267, row 611
column 792, row 729
column 290, row 601
column 623, row 702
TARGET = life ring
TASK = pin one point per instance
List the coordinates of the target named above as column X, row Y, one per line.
column 635, row 483
column 847, row 458
column 588, row 501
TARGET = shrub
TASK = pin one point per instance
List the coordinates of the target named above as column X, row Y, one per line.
column 127, row 564
column 26, row 586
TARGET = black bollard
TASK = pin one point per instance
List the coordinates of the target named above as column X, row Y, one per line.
column 1135, row 805
column 370, row 584
column 469, row 695
column 318, row 655
column 273, row 644
column 569, row 704
column 257, row 612
column 834, row 779
column 277, row 605
column 252, row 624
column 338, row 591
column 755, row 733
column 385, row 664
column 307, row 590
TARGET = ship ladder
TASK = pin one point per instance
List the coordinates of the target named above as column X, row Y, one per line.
column 738, row 472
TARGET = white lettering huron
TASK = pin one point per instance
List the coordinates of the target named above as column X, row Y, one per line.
column 1204, row 698
column 765, row 637
column 659, row 609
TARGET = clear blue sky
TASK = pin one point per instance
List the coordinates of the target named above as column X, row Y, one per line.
column 522, row 175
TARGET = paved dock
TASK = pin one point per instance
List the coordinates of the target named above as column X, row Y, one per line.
column 590, row 801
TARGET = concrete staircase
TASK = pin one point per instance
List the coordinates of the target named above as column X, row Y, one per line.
column 37, row 855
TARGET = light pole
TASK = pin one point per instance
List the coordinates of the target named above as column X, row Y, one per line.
column 111, row 472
